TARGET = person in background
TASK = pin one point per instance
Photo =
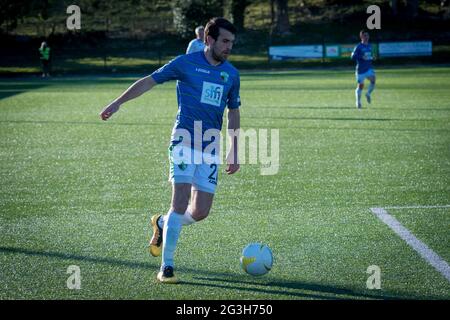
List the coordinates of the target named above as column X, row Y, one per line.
column 198, row 43
column 362, row 55
column 44, row 52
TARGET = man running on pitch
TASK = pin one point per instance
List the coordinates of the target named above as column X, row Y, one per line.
column 362, row 54
column 206, row 84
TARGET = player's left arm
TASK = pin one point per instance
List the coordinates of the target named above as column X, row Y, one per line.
column 234, row 124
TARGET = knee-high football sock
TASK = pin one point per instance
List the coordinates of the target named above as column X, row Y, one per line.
column 186, row 220
column 371, row 88
column 171, row 232
column 358, row 92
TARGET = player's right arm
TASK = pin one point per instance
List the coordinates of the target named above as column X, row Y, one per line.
column 355, row 53
column 170, row 71
column 134, row 91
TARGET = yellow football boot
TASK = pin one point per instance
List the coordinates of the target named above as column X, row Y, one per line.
column 155, row 245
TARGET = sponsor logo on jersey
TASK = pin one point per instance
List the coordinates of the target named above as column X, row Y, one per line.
column 367, row 55
column 224, row 76
column 212, row 93
column 202, row 70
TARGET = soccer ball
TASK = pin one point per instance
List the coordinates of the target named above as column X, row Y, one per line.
column 256, row 259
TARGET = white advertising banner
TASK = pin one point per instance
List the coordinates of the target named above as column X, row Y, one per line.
column 401, row 49
column 295, row 52
column 332, row 51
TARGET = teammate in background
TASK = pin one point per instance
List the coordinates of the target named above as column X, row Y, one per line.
column 362, row 54
column 198, row 43
column 207, row 84
column 44, row 52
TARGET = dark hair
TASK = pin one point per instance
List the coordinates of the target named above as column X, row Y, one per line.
column 213, row 26
column 363, row 31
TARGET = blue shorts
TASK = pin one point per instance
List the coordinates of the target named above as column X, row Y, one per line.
column 360, row 77
column 194, row 167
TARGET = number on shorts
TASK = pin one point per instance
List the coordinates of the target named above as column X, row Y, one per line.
column 212, row 175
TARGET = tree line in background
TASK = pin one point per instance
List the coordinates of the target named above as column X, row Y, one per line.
column 182, row 15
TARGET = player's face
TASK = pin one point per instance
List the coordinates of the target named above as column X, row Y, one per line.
column 221, row 48
column 364, row 37
column 201, row 34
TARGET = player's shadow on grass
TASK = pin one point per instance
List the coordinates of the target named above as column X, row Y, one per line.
column 285, row 288
column 216, row 278
column 256, row 288
column 230, row 281
column 69, row 256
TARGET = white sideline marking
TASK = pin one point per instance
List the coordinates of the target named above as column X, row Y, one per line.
column 425, row 252
column 417, row 207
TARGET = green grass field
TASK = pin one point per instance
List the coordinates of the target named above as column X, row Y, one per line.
column 79, row 191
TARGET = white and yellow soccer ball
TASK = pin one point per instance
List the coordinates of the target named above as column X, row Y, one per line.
column 256, row 259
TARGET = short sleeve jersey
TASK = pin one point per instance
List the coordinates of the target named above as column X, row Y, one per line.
column 195, row 45
column 203, row 91
column 362, row 54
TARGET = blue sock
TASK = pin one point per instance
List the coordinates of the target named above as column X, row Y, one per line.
column 371, row 88
column 171, row 232
column 358, row 92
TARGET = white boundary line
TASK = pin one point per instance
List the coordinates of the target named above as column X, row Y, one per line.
column 422, row 249
column 417, row 207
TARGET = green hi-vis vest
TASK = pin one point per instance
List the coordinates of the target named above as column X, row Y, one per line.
column 45, row 53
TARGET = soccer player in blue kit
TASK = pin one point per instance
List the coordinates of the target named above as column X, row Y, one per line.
column 362, row 54
column 206, row 84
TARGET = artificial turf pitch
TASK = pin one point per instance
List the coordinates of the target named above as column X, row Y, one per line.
column 79, row 191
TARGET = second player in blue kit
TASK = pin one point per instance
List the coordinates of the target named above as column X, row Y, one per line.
column 362, row 54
